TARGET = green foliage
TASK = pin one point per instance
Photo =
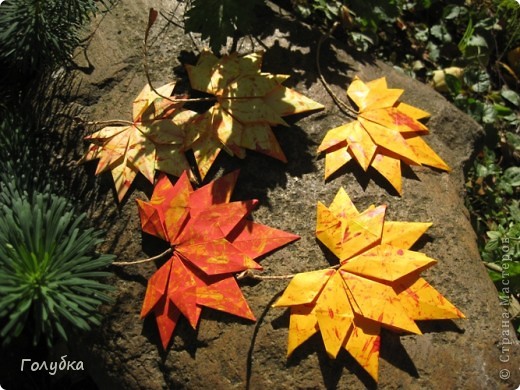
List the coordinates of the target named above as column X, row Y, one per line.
column 361, row 17
column 318, row 9
column 49, row 270
column 492, row 197
column 39, row 33
column 493, row 194
column 217, row 20
column 36, row 135
column 21, row 162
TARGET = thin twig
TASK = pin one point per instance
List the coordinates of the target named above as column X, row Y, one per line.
column 344, row 107
column 169, row 20
column 249, row 274
column 123, row 263
column 176, row 24
column 107, row 122
column 151, row 20
column 250, row 359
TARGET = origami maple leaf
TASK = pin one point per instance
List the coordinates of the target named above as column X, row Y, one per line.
column 211, row 240
column 377, row 284
column 154, row 140
column 386, row 133
column 248, row 103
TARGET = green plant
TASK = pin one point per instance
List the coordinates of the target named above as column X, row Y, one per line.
column 35, row 138
column 362, row 18
column 217, row 20
column 19, row 158
column 38, row 33
column 49, row 268
column 492, row 195
column 493, row 189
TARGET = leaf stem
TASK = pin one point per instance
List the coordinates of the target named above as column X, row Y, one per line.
column 344, row 107
column 152, row 16
column 108, row 122
column 124, row 263
column 249, row 274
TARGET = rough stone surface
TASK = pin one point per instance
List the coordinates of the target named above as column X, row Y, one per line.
column 227, row 352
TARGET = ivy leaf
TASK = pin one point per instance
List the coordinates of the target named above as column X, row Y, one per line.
column 248, row 103
column 154, row 140
column 211, row 240
column 386, row 133
column 377, row 284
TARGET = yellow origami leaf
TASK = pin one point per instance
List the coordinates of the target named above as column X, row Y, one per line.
column 377, row 283
column 303, row 324
column 403, row 234
column 154, row 140
column 423, row 302
column 363, row 344
column 386, row 133
column 378, row 302
column 247, row 103
column 334, row 314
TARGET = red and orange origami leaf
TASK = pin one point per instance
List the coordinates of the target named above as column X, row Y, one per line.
column 377, row 284
column 386, row 133
column 248, row 103
column 211, row 241
column 155, row 140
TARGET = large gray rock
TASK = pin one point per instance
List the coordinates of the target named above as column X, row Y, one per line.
column 226, row 352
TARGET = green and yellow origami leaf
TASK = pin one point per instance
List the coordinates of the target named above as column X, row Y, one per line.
column 248, row 103
column 154, row 140
column 211, row 240
column 377, row 284
column 386, row 133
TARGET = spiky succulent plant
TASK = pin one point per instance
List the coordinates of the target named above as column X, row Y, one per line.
column 49, row 270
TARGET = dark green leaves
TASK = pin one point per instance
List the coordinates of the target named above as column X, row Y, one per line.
column 49, row 268
column 220, row 19
column 37, row 33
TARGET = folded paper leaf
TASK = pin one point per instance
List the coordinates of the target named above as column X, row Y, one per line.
column 211, row 240
column 154, row 140
column 248, row 103
column 385, row 134
column 377, row 283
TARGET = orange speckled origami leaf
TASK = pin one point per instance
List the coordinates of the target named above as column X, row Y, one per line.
column 248, row 103
column 386, row 133
column 211, row 241
column 377, row 283
column 154, row 140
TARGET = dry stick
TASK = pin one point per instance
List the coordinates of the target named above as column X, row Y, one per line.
column 123, row 263
column 345, row 108
column 151, row 20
